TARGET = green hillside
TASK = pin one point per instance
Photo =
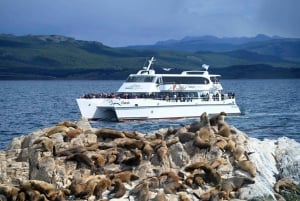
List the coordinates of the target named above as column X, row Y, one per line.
column 52, row 56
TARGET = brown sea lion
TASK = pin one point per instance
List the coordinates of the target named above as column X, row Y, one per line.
column 201, row 143
column 147, row 150
column 183, row 196
column 194, row 166
column 43, row 144
column 224, row 130
column 247, row 166
column 160, row 196
column 174, row 187
column 234, row 184
column 56, row 129
column 163, row 151
column 118, row 191
column 67, row 124
column 10, row 192
column 109, row 133
column 238, row 153
column 103, row 185
column 135, row 160
column 204, row 122
column 285, row 183
column 125, row 176
column 81, row 159
column 171, row 176
column 72, row 133
column 128, row 143
column 99, row 159
column 214, row 120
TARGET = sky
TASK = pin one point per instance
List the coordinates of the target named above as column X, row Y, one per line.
column 119, row 23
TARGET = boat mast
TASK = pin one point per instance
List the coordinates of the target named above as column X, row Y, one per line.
column 150, row 63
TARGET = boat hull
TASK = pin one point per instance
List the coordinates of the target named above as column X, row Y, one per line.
column 144, row 109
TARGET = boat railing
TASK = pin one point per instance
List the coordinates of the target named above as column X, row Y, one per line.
column 166, row 97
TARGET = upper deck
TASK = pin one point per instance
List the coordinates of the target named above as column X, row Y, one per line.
column 147, row 81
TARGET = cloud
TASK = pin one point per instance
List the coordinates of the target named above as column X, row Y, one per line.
column 131, row 22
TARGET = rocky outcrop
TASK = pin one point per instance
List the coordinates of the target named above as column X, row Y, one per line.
column 71, row 161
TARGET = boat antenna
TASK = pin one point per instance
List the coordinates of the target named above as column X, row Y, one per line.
column 150, row 63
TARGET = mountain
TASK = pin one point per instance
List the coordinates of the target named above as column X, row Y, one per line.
column 61, row 57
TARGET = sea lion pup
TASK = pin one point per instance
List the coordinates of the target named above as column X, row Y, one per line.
column 286, row 184
column 214, row 120
column 56, row 129
column 10, row 192
column 67, row 124
column 105, row 133
column 118, row 191
column 125, row 176
column 247, row 166
column 234, row 184
column 99, row 160
column 81, row 159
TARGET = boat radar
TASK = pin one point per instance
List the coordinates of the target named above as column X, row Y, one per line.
column 205, row 66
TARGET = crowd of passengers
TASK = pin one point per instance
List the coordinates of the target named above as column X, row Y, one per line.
column 175, row 96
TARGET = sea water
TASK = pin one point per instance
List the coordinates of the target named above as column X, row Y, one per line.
column 270, row 107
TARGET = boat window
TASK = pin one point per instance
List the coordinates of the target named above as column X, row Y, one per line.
column 185, row 80
column 140, row 79
column 214, row 79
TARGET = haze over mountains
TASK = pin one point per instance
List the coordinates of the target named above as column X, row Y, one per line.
column 60, row 57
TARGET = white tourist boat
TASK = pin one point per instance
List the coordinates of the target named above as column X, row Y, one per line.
column 147, row 95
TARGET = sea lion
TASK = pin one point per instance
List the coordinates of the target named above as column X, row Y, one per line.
column 285, row 183
column 147, row 150
column 72, row 133
column 118, row 191
column 125, row 176
column 224, row 130
column 81, row 159
column 103, row 185
column 163, row 151
column 43, row 144
column 128, row 143
column 174, row 187
column 238, row 153
column 211, row 175
column 247, row 166
column 135, row 160
column 201, row 143
column 204, row 122
column 10, row 192
column 41, row 186
column 234, row 183
column 56, row 129
column 194, row 166
column 214, row 120
column 211, row 194
column 160, row 196
column 99, row 159
column 67, row 124
column 183, row 196
column 171, row 176
column 109, row 133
